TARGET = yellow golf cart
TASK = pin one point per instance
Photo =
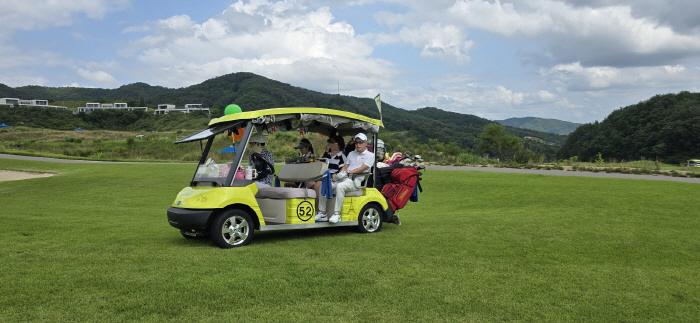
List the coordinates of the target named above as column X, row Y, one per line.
column 221, row 204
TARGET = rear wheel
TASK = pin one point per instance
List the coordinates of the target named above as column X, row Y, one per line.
column 233, row 228
column 370, row 219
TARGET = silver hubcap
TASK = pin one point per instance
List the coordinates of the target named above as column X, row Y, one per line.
column 371, row 219
column 235, row 230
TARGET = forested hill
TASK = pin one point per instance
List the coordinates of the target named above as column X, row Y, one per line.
column 665, row 127
column 254, row 92
column 541, row 124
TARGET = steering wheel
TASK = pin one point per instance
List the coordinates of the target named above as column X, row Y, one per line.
column 262, row 166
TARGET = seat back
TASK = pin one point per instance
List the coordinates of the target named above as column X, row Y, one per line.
column 301, row 172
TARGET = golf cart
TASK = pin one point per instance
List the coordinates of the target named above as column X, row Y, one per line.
column 221, row 204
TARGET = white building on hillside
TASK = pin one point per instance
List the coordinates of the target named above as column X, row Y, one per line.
column 89, row 107
column 170, row 108
column 29, row 103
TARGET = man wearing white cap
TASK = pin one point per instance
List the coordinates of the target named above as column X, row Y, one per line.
column 358, row 161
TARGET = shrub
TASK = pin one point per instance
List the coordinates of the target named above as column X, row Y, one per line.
column 130, row 142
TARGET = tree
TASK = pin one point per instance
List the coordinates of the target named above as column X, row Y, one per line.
column 496, row 142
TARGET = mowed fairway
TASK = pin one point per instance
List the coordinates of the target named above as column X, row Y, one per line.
column 93, row 244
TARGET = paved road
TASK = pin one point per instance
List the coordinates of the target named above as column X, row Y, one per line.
column 460, row 168
column 567, row 173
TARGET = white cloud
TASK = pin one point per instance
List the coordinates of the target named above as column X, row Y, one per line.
column 579, row 78
column 505, row 96
column 546, row 96
column 594, row 34
column 100, row 77
column 500, row 18
column 278, row 40
column 564, row 103
column 41, row 14
column 17, row 79
column 435, row 40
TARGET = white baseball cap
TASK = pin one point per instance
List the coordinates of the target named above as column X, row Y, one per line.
column 361, row 136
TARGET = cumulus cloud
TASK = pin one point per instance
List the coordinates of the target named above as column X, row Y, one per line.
column 546, row 96
column 446, row 43
column 100, row 77
column 580, row 78
column 279, row 40
column 600, row 33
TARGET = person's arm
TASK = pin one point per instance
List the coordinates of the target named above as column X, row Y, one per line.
column 358, row 170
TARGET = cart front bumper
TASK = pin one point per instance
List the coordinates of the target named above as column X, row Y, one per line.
column 189, row 219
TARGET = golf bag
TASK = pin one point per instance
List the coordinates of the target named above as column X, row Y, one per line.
column 403, row 183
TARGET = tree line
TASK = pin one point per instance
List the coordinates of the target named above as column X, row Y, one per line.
column 665, row 127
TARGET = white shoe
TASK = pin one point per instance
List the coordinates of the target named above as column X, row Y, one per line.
column 335, row 218
column 320, row 217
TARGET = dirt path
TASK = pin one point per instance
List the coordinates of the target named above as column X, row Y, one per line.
column 460, row 168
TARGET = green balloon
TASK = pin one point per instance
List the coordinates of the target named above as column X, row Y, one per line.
column 231, row 109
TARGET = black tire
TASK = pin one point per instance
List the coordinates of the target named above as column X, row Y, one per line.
column 370, row 219
column 233, row 228
column 194, row 235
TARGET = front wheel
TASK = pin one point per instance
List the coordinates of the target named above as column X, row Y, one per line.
column 370, row 219
column 233, row 228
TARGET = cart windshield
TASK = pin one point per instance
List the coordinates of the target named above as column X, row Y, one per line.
column 218, row 161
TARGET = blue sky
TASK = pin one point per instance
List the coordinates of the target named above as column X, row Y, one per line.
column 572, row 60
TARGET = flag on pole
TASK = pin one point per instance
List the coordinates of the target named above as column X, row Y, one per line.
column 379, row 106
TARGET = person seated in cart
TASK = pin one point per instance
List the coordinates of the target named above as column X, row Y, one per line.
column 335, row 159
column 257, row 145
column 358, row 161
column 306, row 150
column 306, row 153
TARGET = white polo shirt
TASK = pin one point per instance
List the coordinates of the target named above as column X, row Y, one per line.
column 356, row 160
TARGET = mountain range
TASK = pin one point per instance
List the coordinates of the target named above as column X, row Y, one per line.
column 541, row 124
column 254, row 92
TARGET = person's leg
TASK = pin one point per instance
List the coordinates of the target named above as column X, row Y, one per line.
column 321, row 207
column 345, row 186
column 261, row 185
column 316, row 186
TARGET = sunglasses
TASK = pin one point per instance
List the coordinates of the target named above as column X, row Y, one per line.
column 357, row 141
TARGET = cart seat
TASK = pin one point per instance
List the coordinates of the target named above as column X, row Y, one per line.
column 294, row 173
column 285, row 193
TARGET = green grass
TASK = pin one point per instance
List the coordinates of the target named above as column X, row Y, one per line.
column 93, row 244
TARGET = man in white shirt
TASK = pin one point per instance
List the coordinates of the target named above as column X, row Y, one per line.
column 358, row 161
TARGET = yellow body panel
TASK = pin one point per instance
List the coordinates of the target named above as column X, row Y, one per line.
column 259, row 113
column 207, row 197
column 300, row 211
column 353, row 205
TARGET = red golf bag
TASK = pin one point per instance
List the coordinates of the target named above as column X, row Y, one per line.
column 403, row 183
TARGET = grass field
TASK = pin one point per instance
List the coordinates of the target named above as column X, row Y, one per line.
column 93, row 244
